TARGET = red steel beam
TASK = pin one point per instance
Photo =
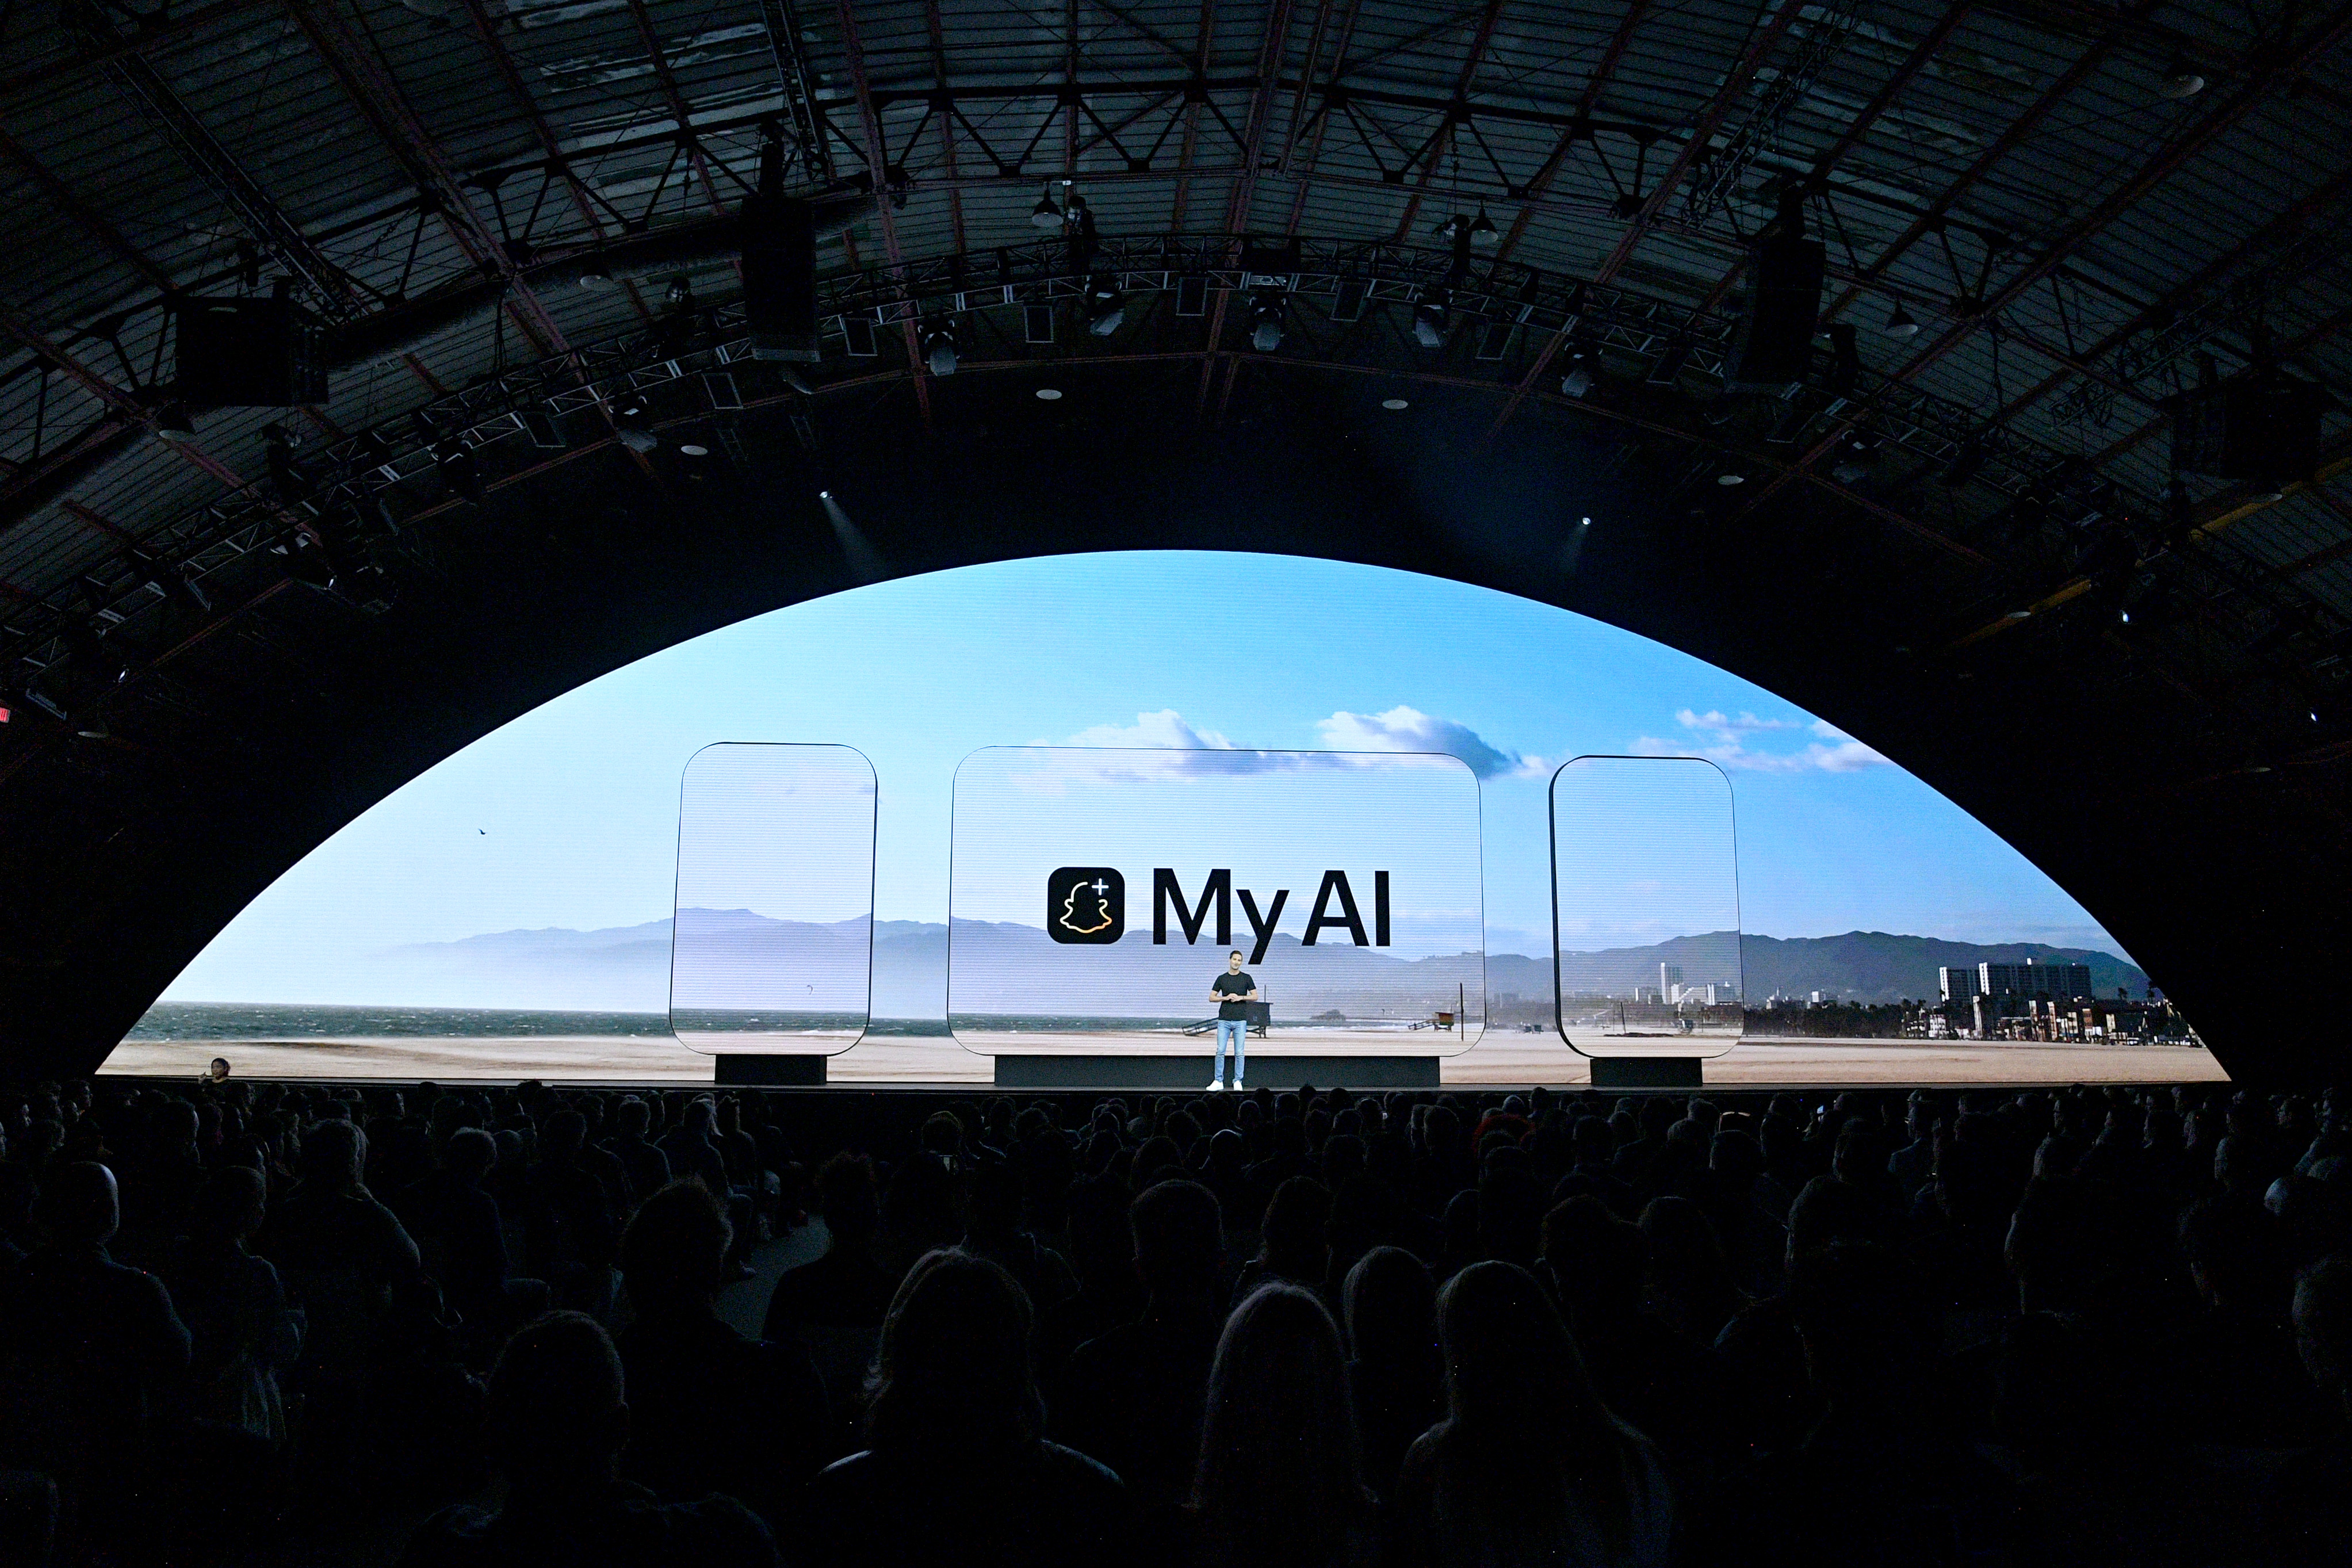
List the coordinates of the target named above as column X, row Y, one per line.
column 1913, row 64
column 2151, row 173
column 2293, row 218
column 1442, row 143
column 2003, row 145
column 1269, row 72
column 90, row 219
column 947, row 122
column 502, row 60
column 871, row 122
column 119, row 403
column 1204, row 32
column 677, row 102
column 1305, row 177
column 1586, row 103
column 1734, row 86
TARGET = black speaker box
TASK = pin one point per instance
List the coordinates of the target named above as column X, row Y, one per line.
column 249, row 353
column 2262, row 428
column 780, row 278
column 1773, row 347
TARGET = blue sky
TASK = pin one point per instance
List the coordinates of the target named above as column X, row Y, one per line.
column 569, row 817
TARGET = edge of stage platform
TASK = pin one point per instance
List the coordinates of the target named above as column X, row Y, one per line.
column 1185, row 1072
column 1647, row 1072
column 768, row 1072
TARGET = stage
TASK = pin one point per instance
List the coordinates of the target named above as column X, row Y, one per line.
column 915, row 1061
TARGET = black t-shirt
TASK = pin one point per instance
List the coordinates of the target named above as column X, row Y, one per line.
column 1232, row 988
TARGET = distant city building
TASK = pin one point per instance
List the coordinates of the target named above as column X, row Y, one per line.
column 1670, row 981
column 2056, row 982
column 1958, row 985
column 1818, row 998
column 1719, row 995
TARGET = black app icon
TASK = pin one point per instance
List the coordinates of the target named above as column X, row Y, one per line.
column 1086, row 904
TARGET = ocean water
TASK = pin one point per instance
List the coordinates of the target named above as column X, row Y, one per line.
column 273, row 1021
column 267, row 1021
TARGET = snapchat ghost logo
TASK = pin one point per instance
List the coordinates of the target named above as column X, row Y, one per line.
column 1085, row 905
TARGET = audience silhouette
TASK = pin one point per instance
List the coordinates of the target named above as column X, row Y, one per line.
column 244, row 1321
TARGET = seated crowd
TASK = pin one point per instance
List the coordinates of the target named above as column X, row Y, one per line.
column 1318, row 1330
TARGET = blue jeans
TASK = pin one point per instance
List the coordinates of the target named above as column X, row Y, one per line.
column 1237, row 1031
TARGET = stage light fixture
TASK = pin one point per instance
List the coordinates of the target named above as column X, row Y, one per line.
column 1265, row 318
column 1899, row 324
column 1730, row 478
column 1049, row 395
column 1429, row 321
column 454, row 461
column 1045, row 217
column 173, row 423
column 1483, row 233
column 630, row 425
column 939, row 347
column 1394, row 405
column 2182, row 80
column 825, row 495
column 595, row 276
column 1577, row 380
column 1105, row 310
column 693, row 449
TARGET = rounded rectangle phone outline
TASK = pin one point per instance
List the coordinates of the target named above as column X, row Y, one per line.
column 1669, row 1045
column 780, row 1043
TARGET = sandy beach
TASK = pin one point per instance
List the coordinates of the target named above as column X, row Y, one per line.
column 912, row 1061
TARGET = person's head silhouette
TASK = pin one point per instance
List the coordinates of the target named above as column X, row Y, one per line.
column 1280, row 1480
column 556, row 1419
column 78, row 1207
column 1176, row 1228
column 674, row 1254
column 951, row 1378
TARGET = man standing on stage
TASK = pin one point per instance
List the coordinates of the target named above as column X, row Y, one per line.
column 1232, row 992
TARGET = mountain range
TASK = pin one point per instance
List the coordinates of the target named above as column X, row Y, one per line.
column 627, row 968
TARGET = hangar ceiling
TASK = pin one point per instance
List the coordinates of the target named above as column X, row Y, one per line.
column 512, row 223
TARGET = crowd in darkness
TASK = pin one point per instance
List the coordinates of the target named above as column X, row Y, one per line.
column 1310, row 1329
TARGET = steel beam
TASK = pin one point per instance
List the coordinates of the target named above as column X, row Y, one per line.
column 1702, row 134
column 2286, row 222
column 2151, row 173
column 2058, row 92
column 677, row 105
column 1880, row 102
column 877, row 166
column 119, row 402
column 1442, row 144
column 1578, row 121
column 502, row 61
column 92, row 222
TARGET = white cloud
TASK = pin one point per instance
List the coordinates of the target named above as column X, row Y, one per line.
column 1717, row 721
column 1402, row 728
column 1726, row 742
column 1165, row 728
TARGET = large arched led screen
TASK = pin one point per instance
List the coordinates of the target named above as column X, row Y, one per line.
column 1096, row 895
column 1643, row 855
column 772, row 949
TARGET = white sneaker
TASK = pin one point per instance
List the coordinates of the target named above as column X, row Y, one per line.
column 1216, row 1084
column 1240, row 1088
